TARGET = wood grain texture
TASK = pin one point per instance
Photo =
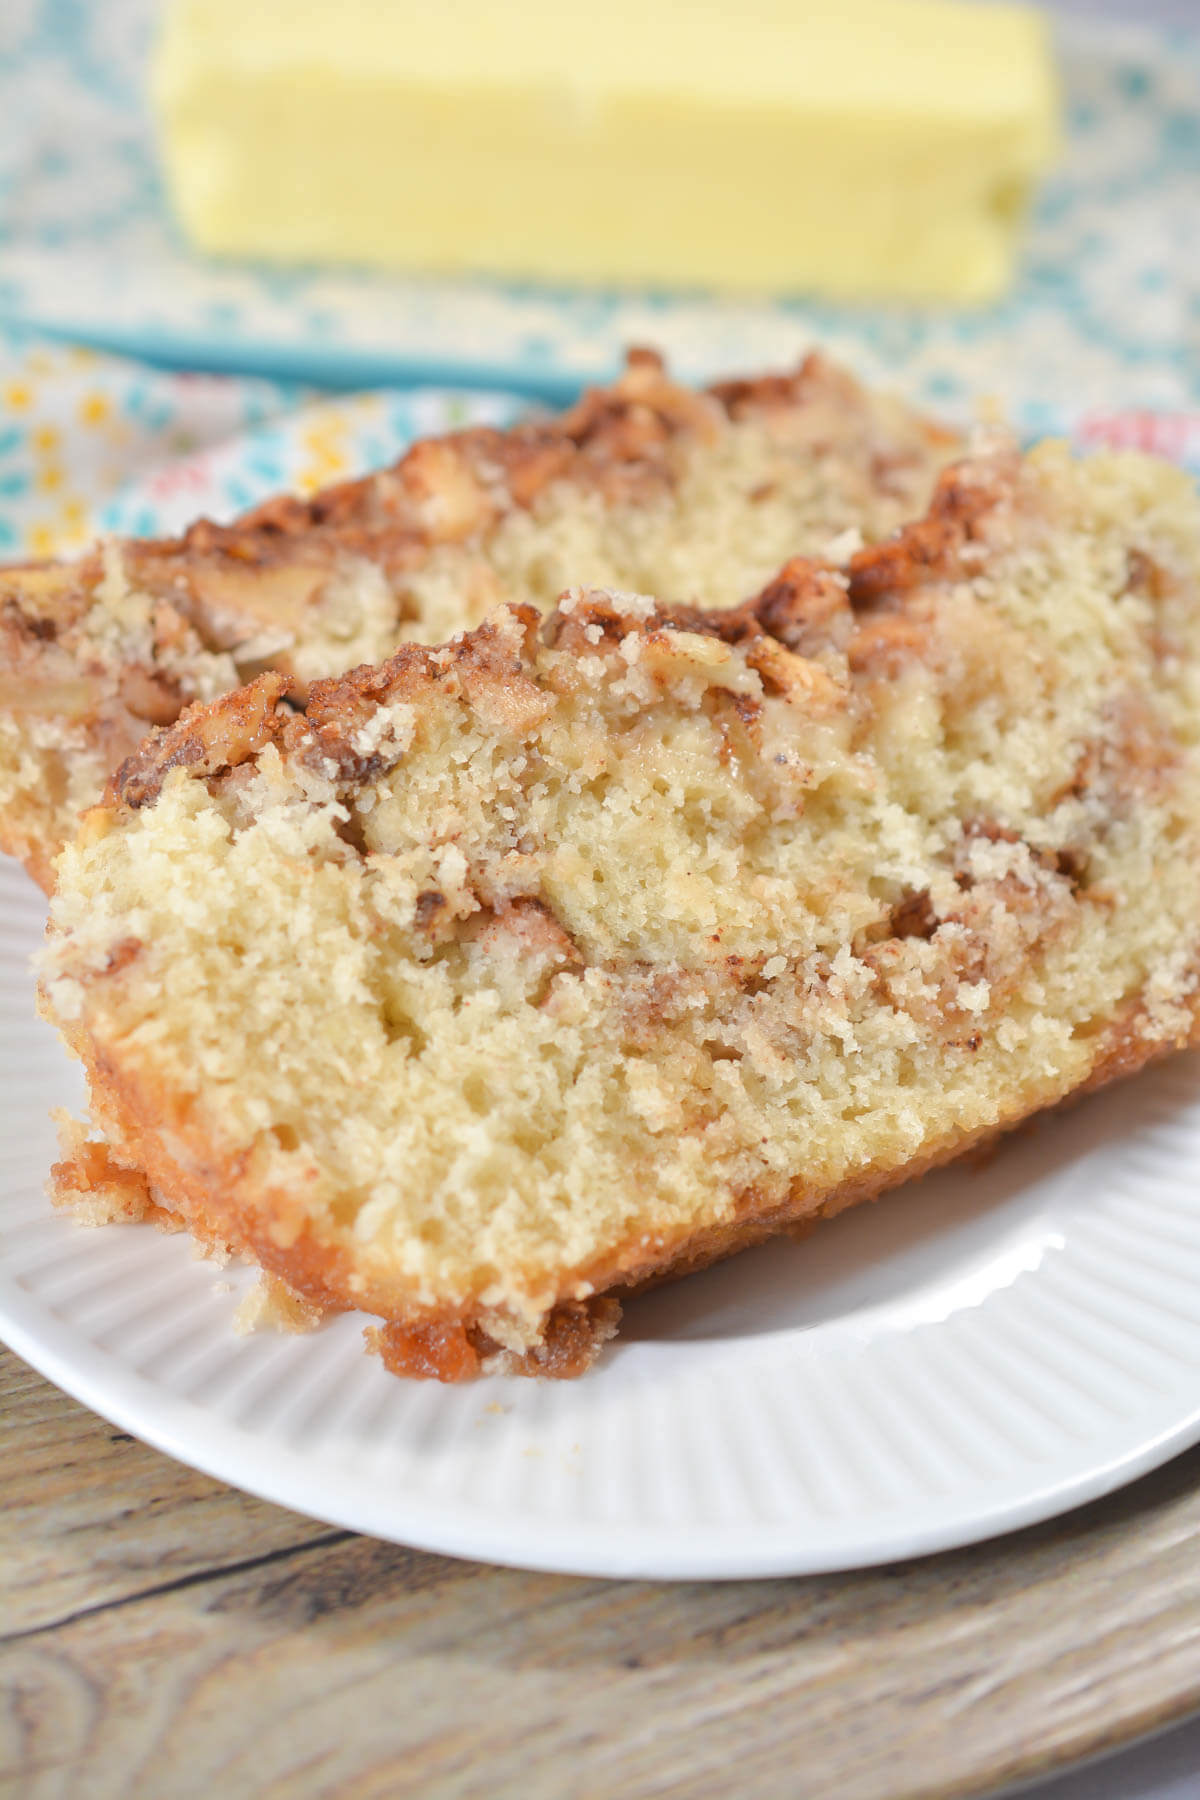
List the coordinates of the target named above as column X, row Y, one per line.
column 91, row 1516
column 162, row 1636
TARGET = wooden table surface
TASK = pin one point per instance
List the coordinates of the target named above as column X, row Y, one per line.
column 162, row 1635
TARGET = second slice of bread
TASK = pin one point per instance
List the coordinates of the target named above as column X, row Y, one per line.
column 696, row 497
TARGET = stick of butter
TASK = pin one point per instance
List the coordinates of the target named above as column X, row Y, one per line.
column 851, row 147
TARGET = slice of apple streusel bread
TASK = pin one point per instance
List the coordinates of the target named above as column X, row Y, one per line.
column 697, row 497
column 592, row 947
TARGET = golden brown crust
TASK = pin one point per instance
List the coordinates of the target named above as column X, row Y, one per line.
column 88, row 1181
column 453, row 1344
column 453, row 1348
column 575, row 1333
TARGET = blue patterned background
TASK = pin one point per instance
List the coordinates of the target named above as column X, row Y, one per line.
column 1107, row 313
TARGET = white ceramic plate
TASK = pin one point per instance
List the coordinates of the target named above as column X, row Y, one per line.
column 986, row 1349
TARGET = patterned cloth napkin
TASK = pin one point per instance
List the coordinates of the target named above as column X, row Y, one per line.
column 1106, row 311
column 92, row 444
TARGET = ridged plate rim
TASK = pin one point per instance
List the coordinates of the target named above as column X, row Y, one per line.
column 968, row 1358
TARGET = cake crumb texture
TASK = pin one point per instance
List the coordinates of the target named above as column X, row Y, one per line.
column 696, row 497
column 270, row 1305
column 521, row 970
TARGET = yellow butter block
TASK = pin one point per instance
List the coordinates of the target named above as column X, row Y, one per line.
column 868, row 147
